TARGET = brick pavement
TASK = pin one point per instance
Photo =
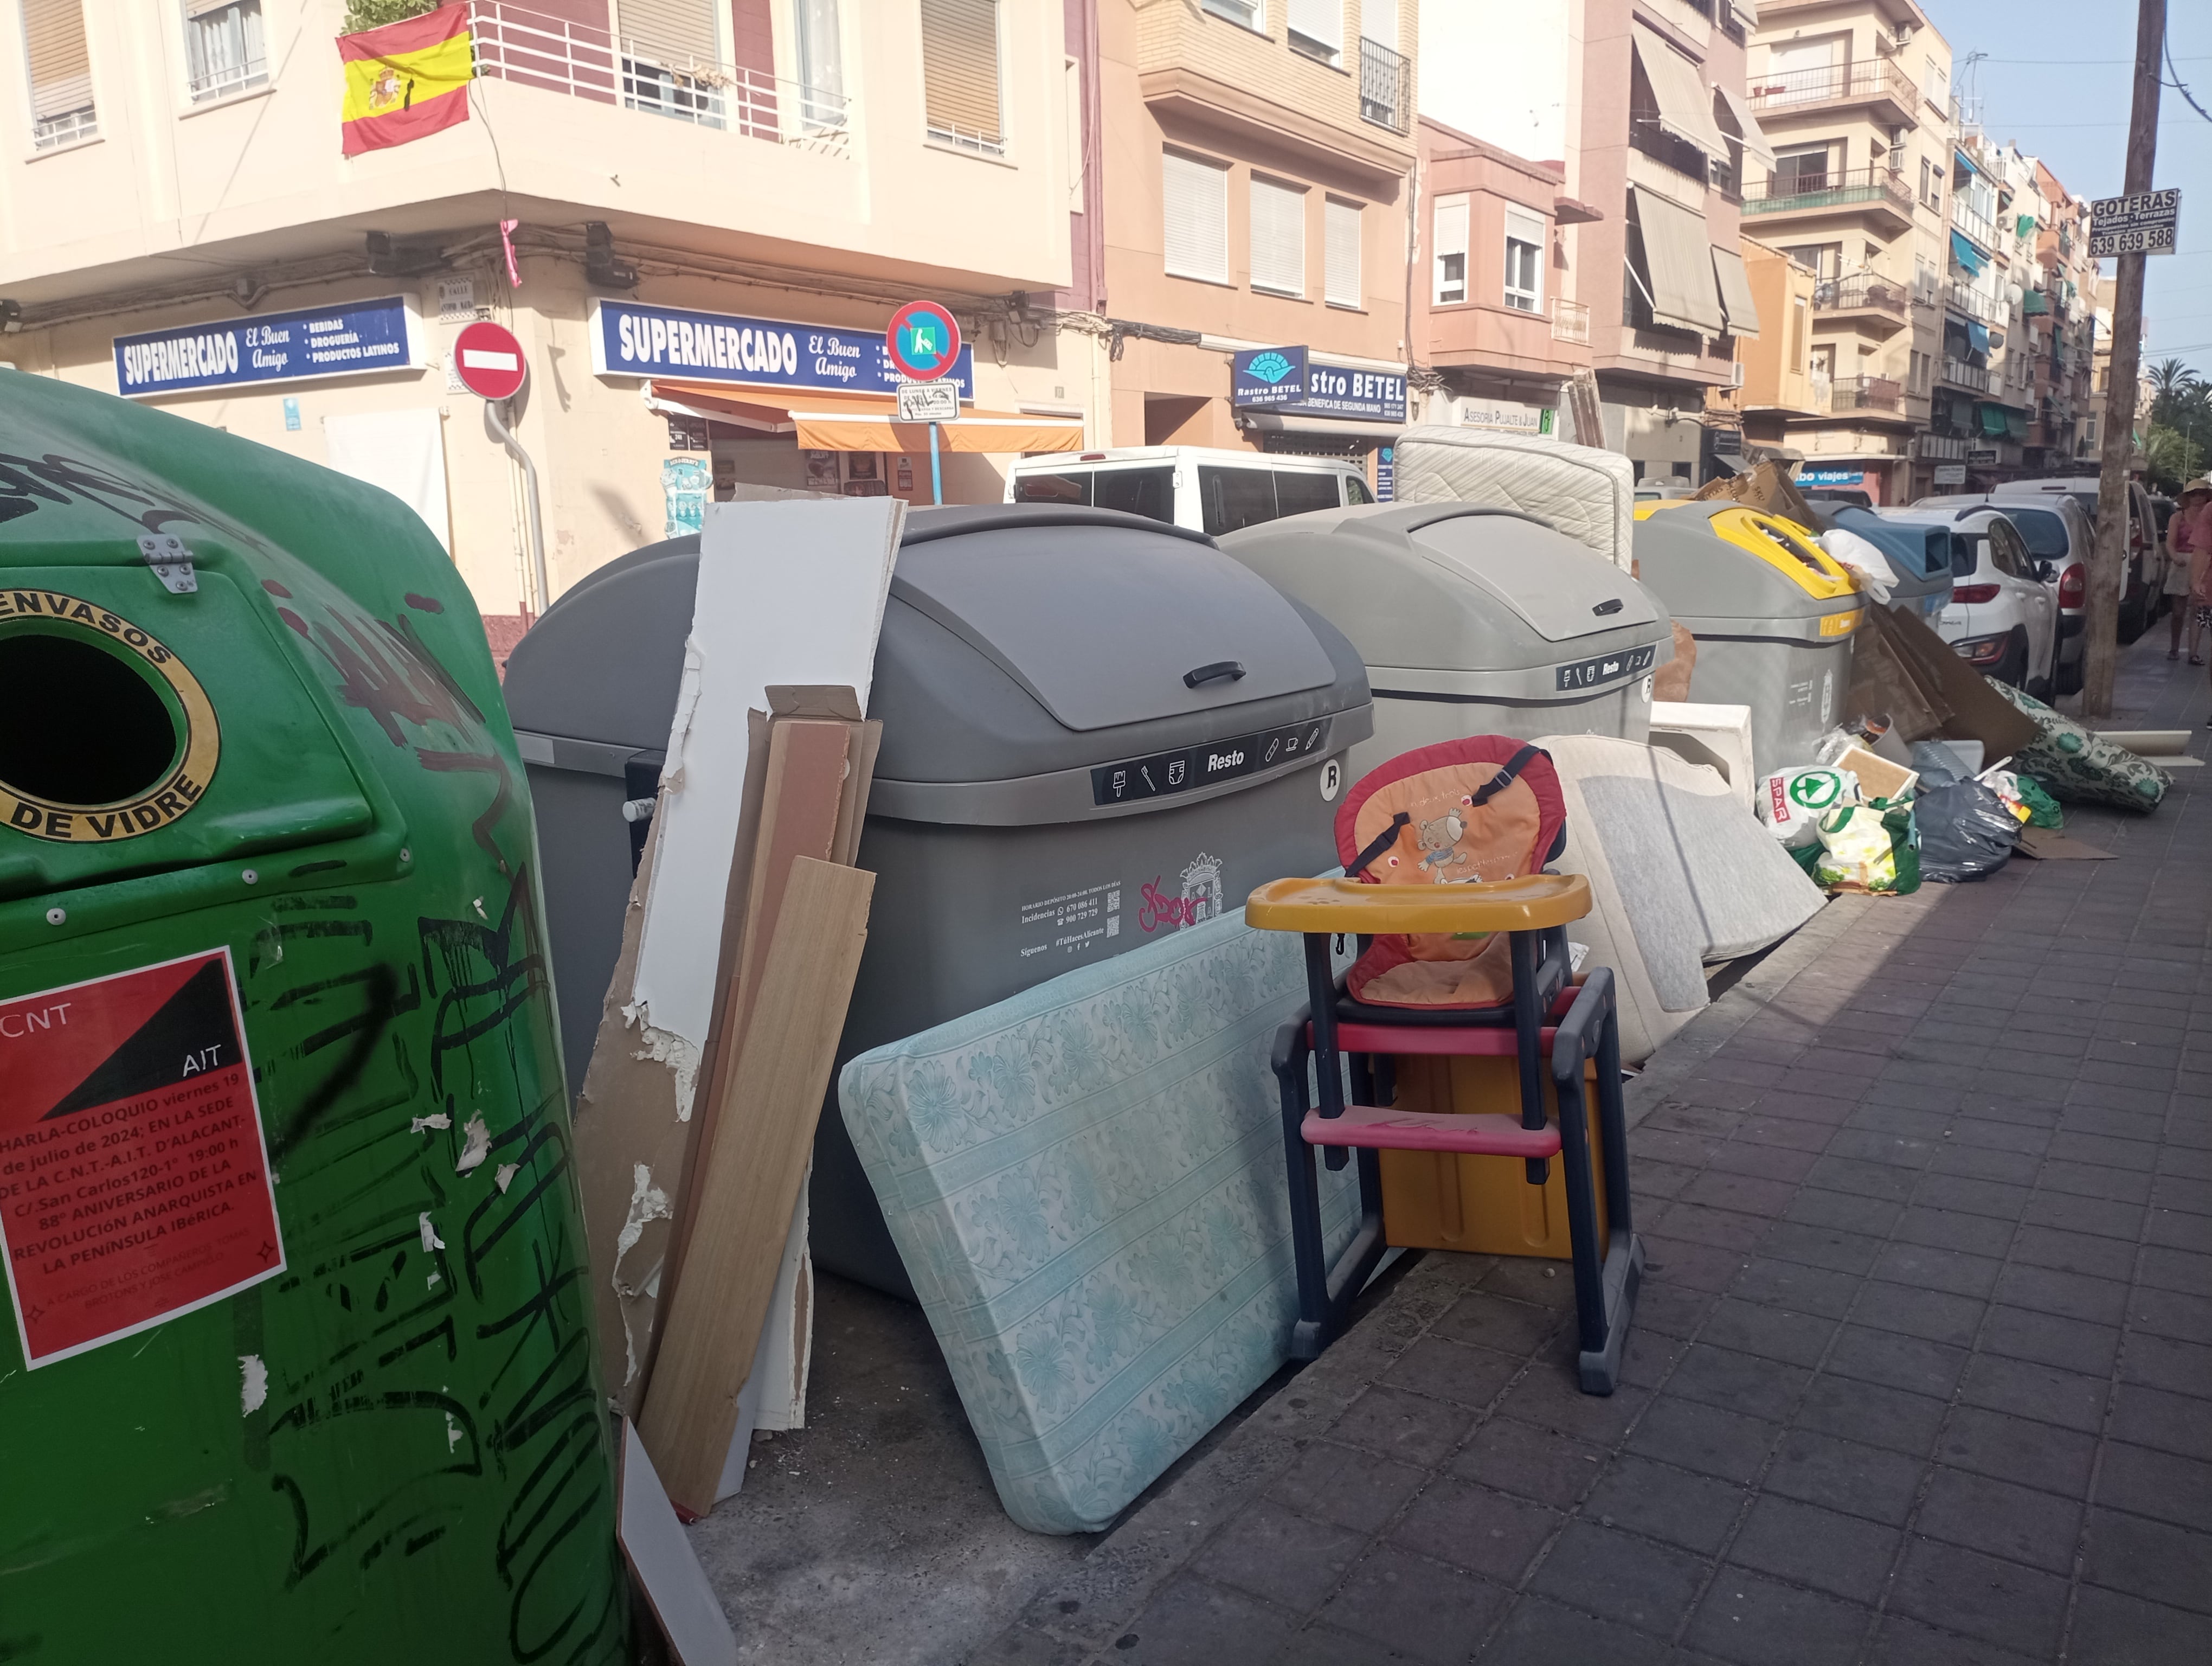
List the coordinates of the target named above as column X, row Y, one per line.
column 1920, row 1373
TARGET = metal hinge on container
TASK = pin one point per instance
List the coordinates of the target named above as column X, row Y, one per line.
column 172, row 562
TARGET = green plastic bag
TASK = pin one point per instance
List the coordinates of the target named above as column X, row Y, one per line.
column 2043, row 810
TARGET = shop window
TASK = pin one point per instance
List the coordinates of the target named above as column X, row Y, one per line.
column 60, row 65
column 223, row 49
column 960, row 74
column 1196, row 200
column 1525, row 266
column 1341, row 227
column 1451, row 252
column 1279, row 238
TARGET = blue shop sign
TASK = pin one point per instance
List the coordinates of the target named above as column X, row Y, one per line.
column 354, row 338
column 629, row 339
column 1287, row 380
column 1831, row 476
column 1263, row 377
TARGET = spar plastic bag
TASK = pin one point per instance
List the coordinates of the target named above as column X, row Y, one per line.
column 1966, row 832
column 1792, row 801
column 1857, row 852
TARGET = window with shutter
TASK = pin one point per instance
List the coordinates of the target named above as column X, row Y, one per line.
column 1524, row 260
column 1378, row 22
column 960, row 73
column 679, row 33
column 223, row 51
column 1341, row 224
column 1279, row 238
column 671, row 53
column 1450, row 263
column 1317, row 28
column 1195, row 194
column 61, row 72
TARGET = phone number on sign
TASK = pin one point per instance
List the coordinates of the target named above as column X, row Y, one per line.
column 2151, row 239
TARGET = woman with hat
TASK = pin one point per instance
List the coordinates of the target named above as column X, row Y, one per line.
column 2181, row 544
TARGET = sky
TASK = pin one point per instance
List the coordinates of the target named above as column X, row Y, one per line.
column 2057, row 81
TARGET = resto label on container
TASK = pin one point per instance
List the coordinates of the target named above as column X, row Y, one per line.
column 134, row 1175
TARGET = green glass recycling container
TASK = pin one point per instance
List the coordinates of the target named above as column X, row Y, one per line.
column 297, row 1365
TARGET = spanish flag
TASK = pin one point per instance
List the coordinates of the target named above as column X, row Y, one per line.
column 406, row 79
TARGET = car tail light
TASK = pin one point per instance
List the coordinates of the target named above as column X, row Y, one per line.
column 1973, row 593
column 2074, row 586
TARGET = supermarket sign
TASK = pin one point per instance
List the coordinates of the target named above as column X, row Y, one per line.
column 357, row 338
column 629, row 339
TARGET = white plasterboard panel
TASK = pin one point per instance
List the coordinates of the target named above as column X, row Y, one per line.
column 660, row 1555
column 403, row 451
column 790, row 591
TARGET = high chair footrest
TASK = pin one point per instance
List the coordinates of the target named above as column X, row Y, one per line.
column 1493, row 1041
column 1382, row 1129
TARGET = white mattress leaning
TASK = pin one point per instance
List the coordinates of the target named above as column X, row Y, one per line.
column 1588, row 493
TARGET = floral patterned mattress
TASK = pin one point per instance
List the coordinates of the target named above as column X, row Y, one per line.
column 1086, row 1184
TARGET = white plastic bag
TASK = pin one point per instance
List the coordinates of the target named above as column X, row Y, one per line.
column 1867, row 563
column 1792, row 801
column 1857, row 850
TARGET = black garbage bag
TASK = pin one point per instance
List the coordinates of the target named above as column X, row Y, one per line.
column 1966, row 832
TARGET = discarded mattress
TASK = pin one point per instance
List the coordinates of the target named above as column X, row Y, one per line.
column 1680, row 874
column 1588, row 494
column 1085, row 1182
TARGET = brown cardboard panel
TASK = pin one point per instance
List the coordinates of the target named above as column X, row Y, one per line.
column 2048, row 844
column 750, row 1176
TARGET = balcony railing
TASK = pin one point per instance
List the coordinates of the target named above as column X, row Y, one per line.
column 1964, row 299
column 1570, row 322
column 1976, row 225
column 1386, row 86
column 1851, row 294
column 534, row 49
column 1939, row 448
column 1831, row 188
column 1959, row 374
column 1878, row 80
column 1867, row 394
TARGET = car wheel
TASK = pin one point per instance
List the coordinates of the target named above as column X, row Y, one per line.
column 2012, row 670
column 2133, row 620
column 2067, row 680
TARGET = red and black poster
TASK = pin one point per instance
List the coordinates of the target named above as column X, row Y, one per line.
column 133, row 1178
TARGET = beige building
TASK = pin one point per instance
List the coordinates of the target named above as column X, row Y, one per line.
column 1257, row 157
column 1855, row 97
column 718, row 206
column 1775, row 385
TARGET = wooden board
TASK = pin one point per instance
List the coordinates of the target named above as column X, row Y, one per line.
column 751, row 1177
column 2048, row 844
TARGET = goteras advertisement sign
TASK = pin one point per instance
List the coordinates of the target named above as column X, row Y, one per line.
column 629, row 339
column 1288, row 379
column 357, row 339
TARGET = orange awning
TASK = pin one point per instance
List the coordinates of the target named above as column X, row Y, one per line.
column 861, row 422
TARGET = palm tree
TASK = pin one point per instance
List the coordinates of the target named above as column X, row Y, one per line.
column 2171, row 376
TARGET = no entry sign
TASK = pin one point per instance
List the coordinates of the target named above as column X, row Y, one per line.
column 133, row 1178
column 923, row 341
column 489, row 360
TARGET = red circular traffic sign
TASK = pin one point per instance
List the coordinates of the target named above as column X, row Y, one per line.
column 924, row 341
column 489, row 360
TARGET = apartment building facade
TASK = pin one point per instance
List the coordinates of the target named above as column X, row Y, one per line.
column 713, row 208
column 1639, row 109
column 1257, row 160
column 1775, row 384
column 1855, row 97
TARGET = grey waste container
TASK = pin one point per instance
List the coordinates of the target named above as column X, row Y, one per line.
column 1472, row 620
column 1917, row 552
column 1097, row 730
column 1773, row 613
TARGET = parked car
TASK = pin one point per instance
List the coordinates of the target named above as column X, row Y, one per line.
column 2004, row 615
column 2056, row 529
column 1208, row 490
column 2146, row 554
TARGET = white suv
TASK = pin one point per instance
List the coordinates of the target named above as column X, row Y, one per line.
column 2003, row 618
column 2056, row 529
column 2146, row 554
column 1206, row 490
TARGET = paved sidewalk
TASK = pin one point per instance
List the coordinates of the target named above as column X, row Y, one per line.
column 1920, row 1374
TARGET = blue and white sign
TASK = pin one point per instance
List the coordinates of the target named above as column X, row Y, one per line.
column 1288, row 379
column 1266, row 377
column 356, row 338
column 629, row 339
column 1386, row 473
column 1830, row 477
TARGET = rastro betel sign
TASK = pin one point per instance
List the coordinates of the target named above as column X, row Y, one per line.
column 357, row 339
column 629, row 339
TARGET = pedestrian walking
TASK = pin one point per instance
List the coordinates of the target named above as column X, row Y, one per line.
column 2181, row 575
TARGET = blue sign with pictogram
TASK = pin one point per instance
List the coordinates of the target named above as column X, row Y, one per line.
column 1287, row 378
column 1261, row 377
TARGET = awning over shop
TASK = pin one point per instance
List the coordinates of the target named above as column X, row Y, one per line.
column 1993, row 421
column 1967, row 255
column 859, row 422
column 1343, row 427
column 1685, row 103
column 1735, row 292
column 1754, row 139
column 1977, row 338
column 1678, row 255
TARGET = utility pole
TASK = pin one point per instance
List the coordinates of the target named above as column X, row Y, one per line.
column 2108, row 564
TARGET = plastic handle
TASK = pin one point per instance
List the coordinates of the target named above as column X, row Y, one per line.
column 1230, row 669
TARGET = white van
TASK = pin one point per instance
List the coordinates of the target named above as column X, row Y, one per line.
column 1209, row 491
